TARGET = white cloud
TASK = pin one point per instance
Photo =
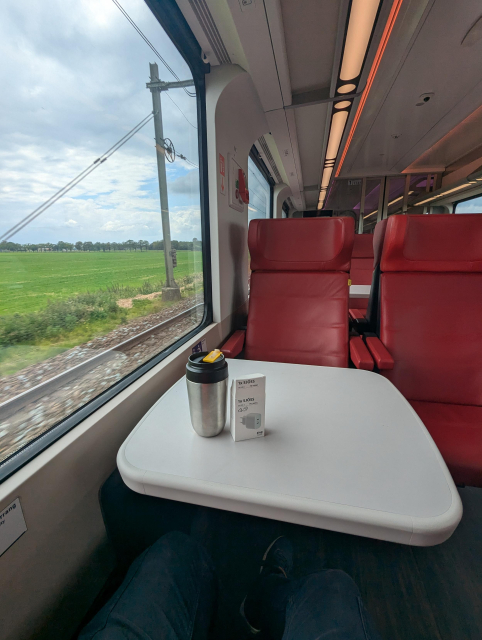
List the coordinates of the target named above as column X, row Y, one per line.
column 186, row 222
column 73, row 83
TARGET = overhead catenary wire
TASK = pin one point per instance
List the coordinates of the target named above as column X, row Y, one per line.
column 149, row 43
column 185, row 116
column 75, row 181
column 179, row 155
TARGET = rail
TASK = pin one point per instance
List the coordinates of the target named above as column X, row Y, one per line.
column 47, row 387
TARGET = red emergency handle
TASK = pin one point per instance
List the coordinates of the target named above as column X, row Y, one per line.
column 243, row 191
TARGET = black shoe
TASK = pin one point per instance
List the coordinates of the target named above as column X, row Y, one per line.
column 278, row 558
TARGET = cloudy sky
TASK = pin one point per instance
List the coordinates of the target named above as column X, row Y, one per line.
column 73, row 79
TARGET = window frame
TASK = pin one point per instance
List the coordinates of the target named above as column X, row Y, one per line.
column 263, row 169
column 174, row 24
column 457, row 202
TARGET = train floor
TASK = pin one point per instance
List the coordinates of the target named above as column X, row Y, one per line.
column 413, row 593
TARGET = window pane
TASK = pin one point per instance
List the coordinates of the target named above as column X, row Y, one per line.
column 259, row 193
column 84, row 278
column 474, row 205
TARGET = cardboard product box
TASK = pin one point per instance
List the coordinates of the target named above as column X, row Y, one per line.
column 248, row 396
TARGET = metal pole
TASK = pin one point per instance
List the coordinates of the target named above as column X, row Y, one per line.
column 381, row 198
column 386, row 195
column 427, row 189
column 362, row 205
column 405, row 193
column 171, row 291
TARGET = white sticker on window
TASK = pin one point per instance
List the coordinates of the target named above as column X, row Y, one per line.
column 12, row 525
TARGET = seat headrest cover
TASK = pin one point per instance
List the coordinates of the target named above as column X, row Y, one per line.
column 363, row 246
column 301, row 244
column 446, row 242
column 378, row 240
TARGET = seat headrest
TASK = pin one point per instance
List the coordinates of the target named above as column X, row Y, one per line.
column 446, row 242
column 378, row 240
column 362, row 246
column 301, row 244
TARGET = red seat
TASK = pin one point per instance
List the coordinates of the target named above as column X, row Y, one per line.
column 430, row 310
column 369, row 311
column 456, row 429
column 298, row 307
column 361, row 266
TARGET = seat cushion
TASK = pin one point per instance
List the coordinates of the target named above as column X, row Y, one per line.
column 300, row 318
column 457, row 432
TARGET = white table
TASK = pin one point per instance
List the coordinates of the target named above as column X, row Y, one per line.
column 359, row 290
column 343, row 451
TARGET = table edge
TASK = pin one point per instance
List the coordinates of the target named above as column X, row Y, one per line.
column 382, row 525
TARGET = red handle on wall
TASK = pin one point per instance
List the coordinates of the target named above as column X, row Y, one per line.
column 243, row 191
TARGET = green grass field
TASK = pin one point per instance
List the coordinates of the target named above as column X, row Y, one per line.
column 51, row 302
column 29, row 280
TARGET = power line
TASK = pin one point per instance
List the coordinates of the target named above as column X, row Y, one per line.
column 179, row 155
column 181, row 111
column 149, row 43
column 75, row 181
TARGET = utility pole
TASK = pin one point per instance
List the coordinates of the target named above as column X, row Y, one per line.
column 171, row 291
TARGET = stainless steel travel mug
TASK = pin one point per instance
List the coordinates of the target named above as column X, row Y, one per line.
column 207, row 390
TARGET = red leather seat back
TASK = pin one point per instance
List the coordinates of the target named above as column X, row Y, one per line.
column 431, row 306
column 361, row 266
column 362, row 259
column 298, row 307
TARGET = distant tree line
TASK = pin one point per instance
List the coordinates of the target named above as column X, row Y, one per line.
column 128, row 245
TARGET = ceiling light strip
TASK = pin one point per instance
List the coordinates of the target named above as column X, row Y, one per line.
column 376, row 63
column 444, row 193
column 360, row 26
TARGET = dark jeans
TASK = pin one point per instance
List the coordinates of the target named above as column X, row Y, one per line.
column 170, row 593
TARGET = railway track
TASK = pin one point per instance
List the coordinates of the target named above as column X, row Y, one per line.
column 35, row 410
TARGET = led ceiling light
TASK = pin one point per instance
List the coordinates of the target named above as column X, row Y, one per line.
column 337, row 127
column 346, row 88
column 325, row 180
column 445, row 193
column 371, row 76
column 361, row 22
column 397, row 199
column 388, row 205
column 343, row 104
column 360, row 25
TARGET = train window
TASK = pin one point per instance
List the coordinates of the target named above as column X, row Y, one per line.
column 470, row 205
column 103, row 238
column 260, row 188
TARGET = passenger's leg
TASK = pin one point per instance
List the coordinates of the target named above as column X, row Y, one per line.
column 327, row 605
column 169, row 593
column 321, row 605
